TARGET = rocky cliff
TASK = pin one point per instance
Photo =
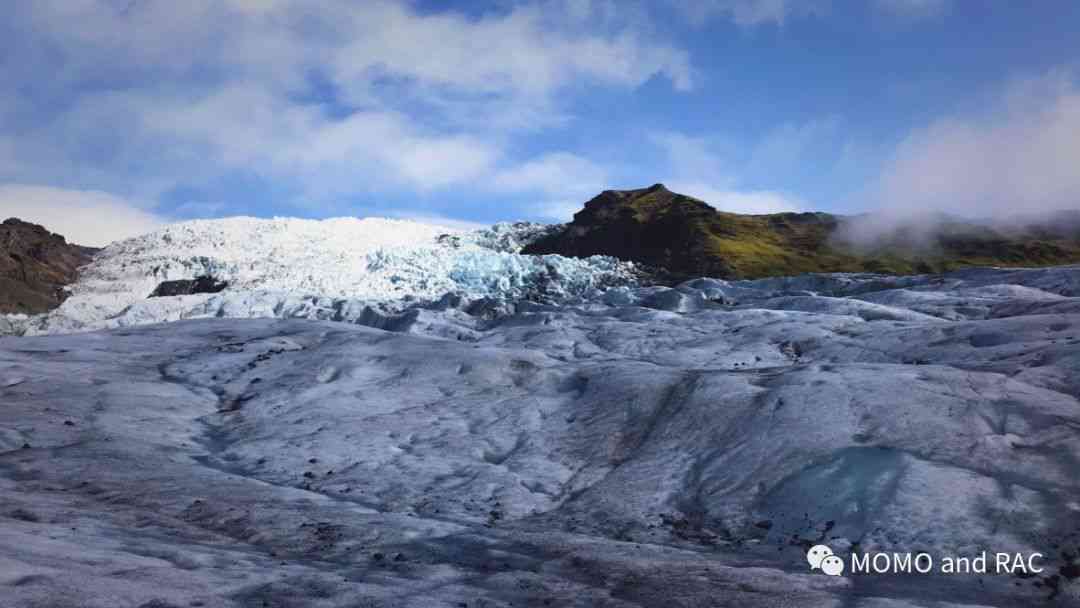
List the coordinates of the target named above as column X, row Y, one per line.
column 35, row 265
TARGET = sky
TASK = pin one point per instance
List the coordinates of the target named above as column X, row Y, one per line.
column 121, row 115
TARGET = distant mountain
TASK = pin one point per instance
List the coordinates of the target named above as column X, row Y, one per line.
column 35, row 265
column 682, row 237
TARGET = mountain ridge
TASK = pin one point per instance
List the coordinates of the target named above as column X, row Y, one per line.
column 683, row 237
column 35, row 266
column 668, row 237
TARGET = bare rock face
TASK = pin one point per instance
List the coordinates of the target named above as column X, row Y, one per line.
column 35, row 265
column 186, row 287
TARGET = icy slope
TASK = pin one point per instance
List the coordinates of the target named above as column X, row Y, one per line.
column 648, row 447
column 394, row 273
column 286, row 267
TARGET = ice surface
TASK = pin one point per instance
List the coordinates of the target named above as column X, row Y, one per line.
column 633, row 447
column 288, row 267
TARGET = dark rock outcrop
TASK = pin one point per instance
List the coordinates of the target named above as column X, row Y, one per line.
column 651, row 226
column 678, row 237
column 186, row 287
column 35, row 266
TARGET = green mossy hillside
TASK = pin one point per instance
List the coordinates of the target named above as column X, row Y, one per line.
column 685, row 237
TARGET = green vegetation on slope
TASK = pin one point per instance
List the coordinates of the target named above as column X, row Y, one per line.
column 688, row 238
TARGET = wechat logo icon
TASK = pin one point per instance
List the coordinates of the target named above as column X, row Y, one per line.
column 821, row 556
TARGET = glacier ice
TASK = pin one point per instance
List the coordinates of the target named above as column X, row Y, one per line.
column 423, row 417
column 642, row 446
column 311, row 268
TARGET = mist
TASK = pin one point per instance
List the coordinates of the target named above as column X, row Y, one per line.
column 1012, row 166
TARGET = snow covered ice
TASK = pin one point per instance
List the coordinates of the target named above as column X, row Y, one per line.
column 332, row 268
column 629, row 446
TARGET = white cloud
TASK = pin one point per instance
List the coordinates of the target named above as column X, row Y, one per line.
column 200, row 209
column 152, row 94
column 524, row 52
column 914, row 9
column 439, row 220
column 695, row 169
column 788, row 146
column 756, row 13
column 692, row 157
column 1016, row 158
column 83, row 217
column 562, row 181
column 749, row 13
column 1020, row 155
column 736, row 201
column 559, row 210
column 555, row 174
column 391, row 150
column 245, row 127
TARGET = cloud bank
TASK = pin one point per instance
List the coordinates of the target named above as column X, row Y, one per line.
column 83, row 217
column 1022, row 154
column 1017, row 158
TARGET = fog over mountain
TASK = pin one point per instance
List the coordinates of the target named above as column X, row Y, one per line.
column 1014, row 165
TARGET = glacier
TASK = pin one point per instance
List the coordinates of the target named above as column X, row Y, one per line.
column 341, row 269
column 505, row 435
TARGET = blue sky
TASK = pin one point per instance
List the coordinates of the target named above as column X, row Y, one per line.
column 124, row 114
